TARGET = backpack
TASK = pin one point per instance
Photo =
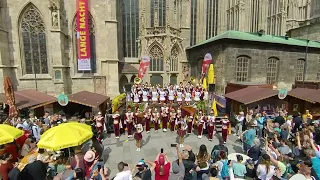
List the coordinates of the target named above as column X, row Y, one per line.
column 215, row 153
column 225, row 169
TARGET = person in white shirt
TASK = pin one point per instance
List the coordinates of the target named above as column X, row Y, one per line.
column 27, row 147
column 239, row 125
column 36, row 130
column 265, row 170
column 124, row 172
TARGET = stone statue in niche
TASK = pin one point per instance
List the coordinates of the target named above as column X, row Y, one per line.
column 54, row 7
column 185, row 72
column 168, row 64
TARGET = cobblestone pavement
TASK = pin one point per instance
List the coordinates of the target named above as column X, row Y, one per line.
column 124, row 149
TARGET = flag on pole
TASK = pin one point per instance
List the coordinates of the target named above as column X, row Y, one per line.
column 204, row 83
column 205, row 65
column 211, row 74
column 144, row 64
column 214, row 107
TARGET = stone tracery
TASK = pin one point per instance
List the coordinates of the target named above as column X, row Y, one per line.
column 32, row 32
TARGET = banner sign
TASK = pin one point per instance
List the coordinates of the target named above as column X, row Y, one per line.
column 144, row 64
column 205, row 65
column 83, row 36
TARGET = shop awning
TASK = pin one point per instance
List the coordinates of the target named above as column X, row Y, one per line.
column 88, row 98
column 309, row 95
column 251, row 94
column 30, row 98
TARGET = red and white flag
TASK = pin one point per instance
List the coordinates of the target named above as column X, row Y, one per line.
column 206, row 63
column 144, row 64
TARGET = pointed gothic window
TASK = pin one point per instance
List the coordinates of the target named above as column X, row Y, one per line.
column 93, row 59
column 156, row 56
column 174, row 59
column 33, row 38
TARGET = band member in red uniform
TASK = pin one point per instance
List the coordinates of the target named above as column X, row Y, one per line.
column 116, row 124
column 129, row 121
column 164, row 119
column 211, row 125
column 147, row 119
column 225, row 124
column 179, row 118
column 138, row 136
column 182, row 132
column 137, row 117
column 99, row 123
column 172, row 119
column 156, row 119
column 201, row 119
column 190, row 124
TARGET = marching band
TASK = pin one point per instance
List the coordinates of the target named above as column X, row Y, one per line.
column 166, row 117
column 167, row 94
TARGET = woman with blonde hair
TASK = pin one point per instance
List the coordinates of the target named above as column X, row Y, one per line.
column 265, row 170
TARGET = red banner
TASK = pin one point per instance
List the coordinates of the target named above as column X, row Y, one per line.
column 206, row 63
column 144, row 64
column 83, row 36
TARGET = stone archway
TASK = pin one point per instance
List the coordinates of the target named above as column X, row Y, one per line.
column 132, row 79
column 122, row 82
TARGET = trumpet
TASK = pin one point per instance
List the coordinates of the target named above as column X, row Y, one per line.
column 137, row 80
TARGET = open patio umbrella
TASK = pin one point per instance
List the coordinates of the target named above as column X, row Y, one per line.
column 10, row 99
column 9, row 133
column 64, row 136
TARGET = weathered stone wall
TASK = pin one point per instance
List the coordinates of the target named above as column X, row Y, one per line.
column 61, row 55
column 225, row 56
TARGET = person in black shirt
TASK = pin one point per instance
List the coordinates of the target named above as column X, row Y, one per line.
column 143, row 172
column 280, row 119
column 297, row 122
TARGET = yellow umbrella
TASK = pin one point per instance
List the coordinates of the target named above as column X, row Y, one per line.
column 64, row 136
column 204, row 83
column 211, row 74
column 9, row 133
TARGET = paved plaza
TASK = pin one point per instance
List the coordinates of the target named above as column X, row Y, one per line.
column 124, row 149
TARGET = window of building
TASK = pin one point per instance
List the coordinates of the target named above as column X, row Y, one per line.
column 156, row 79
column 276, row 12
column 272, row 70
column 156, row 58
column 211, row 18
column 174, row 59
column 233, row 15
column 243, row 69
column 193, row 24
column 33, row 38
column 300, row 69
column 173, row 79
column 130, row 15
column 93, row 59
column 158, row 12
column 255, row 11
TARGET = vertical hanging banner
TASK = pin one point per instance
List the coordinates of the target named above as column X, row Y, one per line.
column 144, row 64
column 83, row 36
column 205, row 65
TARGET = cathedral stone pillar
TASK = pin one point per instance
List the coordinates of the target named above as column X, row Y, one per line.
column 57, row 46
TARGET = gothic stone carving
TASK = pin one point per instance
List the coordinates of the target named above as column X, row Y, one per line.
column 185, row 72
column 55, row 17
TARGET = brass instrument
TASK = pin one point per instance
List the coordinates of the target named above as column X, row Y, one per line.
column 137, row 80
column 192, row 79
